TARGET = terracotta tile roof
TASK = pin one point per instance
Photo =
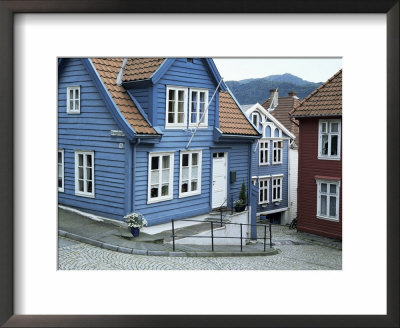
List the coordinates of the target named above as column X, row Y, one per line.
column 326, row 100
column 281, row 113
column 108, row 69
column 141, row 68
column 231, row 118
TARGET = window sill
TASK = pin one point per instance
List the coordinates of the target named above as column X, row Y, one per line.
column 266, row 164
column 84, row 195
column 60, row 189
column 175, row 127
column 157, row 200
column 264, row 204
column 201, row 126
column 329, row 158
column 187, row 194
column 327, row 218
column 276, row 163
column 277, row 201
column 73, row 112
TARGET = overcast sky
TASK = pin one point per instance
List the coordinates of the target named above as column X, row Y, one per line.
column 310, row 69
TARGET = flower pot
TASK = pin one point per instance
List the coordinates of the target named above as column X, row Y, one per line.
column 135, row 231
column 239, row 208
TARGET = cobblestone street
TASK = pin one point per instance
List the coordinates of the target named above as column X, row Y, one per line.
column 74, row 255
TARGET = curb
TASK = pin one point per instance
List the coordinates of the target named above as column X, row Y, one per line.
column 128, row 250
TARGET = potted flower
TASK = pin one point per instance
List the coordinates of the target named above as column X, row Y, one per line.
column 135, row 221
column 241, row 203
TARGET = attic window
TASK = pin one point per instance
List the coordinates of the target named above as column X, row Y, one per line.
column 189, row 60
column 73, row 100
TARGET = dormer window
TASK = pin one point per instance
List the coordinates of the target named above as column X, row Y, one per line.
column 198, row 103
column 176, row 107
column 73, row 100
column 189, row 60
column 255, row 119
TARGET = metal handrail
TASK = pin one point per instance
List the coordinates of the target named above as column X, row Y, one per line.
column 212, row 233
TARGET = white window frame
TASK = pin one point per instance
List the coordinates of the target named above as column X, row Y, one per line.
column 69, row 109
column 185, row 108
column 254, row 180
column 280, row 179
column 265, row 150
column 62, row 169
column 279, row 151
column 265, row 188
column 199, row 162
column 257, row 119
column 328, row 195
column 205, row 124
column 77, row 191
column 329, row 134
column 171, row 178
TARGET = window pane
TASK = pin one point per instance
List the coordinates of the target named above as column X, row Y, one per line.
column 154, row 163
column 202, row 97
column 261, row 183
column 334, row 144
column 184, row 187
column 71, row 94
column 80, row 185
column 221, row 154
column 171, row 118
column 155, row 176
column 71, row 104
column 60, row 182
column 164, row 190
column 89, row 174
column 324, row 145
column 185, row 173
column 89, row 186
column 323, row 205
column 89, row 160
column 261, row 156
column 278, row 193
column 181, row 94
column 215, row 155
column 76, row 105
column 261, row 195
column 171, row 95
column 194, row 185
column 255, row 120
column 332, row 188
column 80, row 160
column 334, row 127
column 195, row 172
column 80, row 175
column 323, row 127
column 165, row 176
column 185, row 160
column 274, row 193
column 194, row 158
column 323, row 187
column 165, row 162
column 59, row 157
column 154, row 192
column 332, row 206
column 181, row 118
column 59, row 171
column 76, row 93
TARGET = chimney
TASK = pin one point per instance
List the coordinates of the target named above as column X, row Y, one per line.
column 292, row 94
column 272, row 92
column 273, row 96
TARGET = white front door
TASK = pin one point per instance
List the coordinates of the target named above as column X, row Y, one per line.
column 219, row 189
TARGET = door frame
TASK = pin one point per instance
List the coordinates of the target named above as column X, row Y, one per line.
column 226, row 152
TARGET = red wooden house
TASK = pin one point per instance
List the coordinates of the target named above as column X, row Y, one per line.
column 320, row 160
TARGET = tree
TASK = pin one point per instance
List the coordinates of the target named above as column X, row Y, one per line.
column 242, row 195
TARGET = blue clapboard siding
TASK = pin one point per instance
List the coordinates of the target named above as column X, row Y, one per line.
column 271, row 169
column 90, row 131
column 194, row 75
column 143, row 96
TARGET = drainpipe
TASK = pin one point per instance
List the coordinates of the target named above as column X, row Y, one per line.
column 137, row 142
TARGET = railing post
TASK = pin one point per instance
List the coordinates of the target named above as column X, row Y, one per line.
column 265, row 236
column 241, row 244
column 173, row 236
column 270, row 235
column 212, row 236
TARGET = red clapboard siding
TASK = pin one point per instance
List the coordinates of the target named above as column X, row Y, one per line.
column 309, row 167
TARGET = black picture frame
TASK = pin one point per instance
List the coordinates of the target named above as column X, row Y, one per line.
column 7, row 11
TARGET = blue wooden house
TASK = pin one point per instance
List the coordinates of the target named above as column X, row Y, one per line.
column 270, row 165
column 159, row 136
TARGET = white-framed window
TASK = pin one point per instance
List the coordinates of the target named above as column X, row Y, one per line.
column 190, row 173
column 84, row 173
column 329, row 139
column 328, row 199
column 263, row 155
column 160, row 177
column 263, row 190
column 60, row 165
column 176, row 107
column 277, row 188
column 74, row 99
column 198, row 102
column 277, row 151
column 255, row 119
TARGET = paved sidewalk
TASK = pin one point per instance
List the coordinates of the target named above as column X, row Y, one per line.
column 116, row 237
